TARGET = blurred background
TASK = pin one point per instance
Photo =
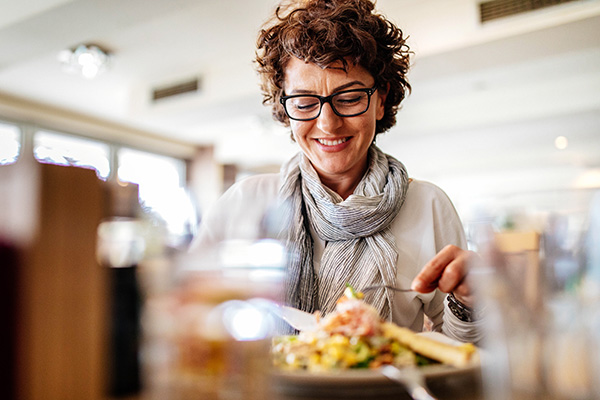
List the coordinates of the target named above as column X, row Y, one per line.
column 505, row 111
column 504, row 116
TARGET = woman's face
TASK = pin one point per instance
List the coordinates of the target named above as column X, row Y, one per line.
column 336, row 146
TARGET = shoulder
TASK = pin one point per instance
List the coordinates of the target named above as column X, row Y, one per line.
column 239, row 212
column 263, row 185
column 257, row 182
column 256, row 193
column 424, row 191
column 428, row 207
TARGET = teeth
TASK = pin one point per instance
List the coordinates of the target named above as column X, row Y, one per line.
column 332, row 142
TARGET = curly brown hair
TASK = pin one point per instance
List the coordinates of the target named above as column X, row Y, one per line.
column 327, row 31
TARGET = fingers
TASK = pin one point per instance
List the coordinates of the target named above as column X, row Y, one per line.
column 462, row 291
column 464, row 294
column 446, row 271
column 428, row 279
column 454, row 274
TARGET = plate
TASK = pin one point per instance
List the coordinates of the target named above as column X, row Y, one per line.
column 357, row 377
column 441, row 381
column 364, row 383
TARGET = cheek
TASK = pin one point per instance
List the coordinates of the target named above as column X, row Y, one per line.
column 294, row 131
column 299, row 129
column 368, row 126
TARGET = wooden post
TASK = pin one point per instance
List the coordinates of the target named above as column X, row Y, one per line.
column 62, row 294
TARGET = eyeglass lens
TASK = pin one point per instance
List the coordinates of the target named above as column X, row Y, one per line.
column 345, row 104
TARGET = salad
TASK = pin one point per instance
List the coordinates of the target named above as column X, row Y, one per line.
column 354, row 336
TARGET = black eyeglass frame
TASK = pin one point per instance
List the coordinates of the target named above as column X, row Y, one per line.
column 327, row 99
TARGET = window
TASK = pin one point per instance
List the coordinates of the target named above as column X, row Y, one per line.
column 161, row 179
column 55, row 148
column 10, row 143
column 162, row 190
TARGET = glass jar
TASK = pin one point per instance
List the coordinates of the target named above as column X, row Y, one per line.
column 215, row 326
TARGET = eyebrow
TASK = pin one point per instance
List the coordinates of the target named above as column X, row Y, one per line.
column 335, row 90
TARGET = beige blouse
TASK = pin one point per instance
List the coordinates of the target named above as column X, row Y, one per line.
column 425, row 224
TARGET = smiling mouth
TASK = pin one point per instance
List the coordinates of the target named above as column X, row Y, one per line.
column 332, row 142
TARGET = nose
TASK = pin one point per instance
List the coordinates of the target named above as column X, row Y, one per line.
column 328, row 121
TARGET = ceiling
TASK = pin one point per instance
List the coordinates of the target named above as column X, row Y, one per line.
column 486, row 96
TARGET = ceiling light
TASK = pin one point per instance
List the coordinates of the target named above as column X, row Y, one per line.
column 561, row 142
column 589, row 179
column 86, row 60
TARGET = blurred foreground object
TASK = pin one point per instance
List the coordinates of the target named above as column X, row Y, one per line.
column 540, row 292
column 120, row 247
column 57, row 296
column 60, row 299
column 209, row 336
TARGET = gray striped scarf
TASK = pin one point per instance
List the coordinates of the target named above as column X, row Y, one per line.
column 360, row 248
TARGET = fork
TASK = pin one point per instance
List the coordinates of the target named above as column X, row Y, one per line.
column 412, row 380
column 373, row 287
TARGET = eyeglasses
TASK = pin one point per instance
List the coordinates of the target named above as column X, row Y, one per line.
column 348, row 103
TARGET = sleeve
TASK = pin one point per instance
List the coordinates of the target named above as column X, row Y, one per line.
column 454, row 328
column 449, row 230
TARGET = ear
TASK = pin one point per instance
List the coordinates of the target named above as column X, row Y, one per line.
column 380, row 103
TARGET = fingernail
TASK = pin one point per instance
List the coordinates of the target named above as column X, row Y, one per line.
column 417, row 285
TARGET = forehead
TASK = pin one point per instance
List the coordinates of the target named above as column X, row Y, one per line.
column 299, row 74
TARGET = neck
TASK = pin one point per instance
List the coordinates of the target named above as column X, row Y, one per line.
column 344, row 186
column 344, row 183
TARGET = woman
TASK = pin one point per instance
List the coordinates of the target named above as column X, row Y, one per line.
column 334, row 71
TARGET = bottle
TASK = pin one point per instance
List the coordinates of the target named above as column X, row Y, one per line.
column 120, row 248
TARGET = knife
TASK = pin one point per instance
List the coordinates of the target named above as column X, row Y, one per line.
column 297, row 319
